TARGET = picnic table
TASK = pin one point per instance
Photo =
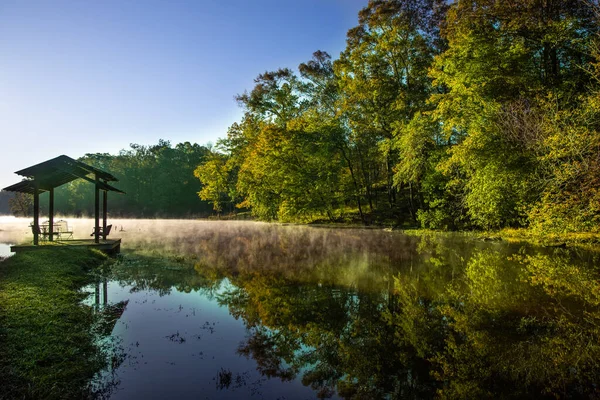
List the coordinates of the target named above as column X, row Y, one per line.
column 60, row 230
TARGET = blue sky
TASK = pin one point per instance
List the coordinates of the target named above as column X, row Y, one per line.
column 82, row 77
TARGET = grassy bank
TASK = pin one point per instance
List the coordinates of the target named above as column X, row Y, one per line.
column 585, row 240
column 580, row 239
column 47, row 349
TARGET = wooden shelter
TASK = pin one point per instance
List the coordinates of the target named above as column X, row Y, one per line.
column 46, row 176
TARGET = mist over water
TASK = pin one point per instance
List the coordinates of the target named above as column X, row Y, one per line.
column 244, row 245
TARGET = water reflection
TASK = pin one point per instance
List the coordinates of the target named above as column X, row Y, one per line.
column 271, row 311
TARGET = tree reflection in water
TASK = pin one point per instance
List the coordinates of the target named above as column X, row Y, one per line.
column 372, row 314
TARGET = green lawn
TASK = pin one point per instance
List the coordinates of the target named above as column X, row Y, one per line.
column 47, row 348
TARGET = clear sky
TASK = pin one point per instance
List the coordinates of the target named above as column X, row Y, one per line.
column 82, row 77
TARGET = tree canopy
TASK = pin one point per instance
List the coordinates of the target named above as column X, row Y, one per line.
column 478, row 114
column 158, row 181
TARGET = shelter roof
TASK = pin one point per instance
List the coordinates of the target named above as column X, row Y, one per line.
column 58, row 171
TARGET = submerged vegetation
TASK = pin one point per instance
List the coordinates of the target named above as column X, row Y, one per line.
column 47, row 346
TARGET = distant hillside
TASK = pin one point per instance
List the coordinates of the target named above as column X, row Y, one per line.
column 4, row 207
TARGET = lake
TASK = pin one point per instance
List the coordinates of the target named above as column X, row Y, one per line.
column 227, row 310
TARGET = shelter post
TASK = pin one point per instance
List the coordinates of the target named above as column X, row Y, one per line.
column 97, row 210
column 51, row 213
column 36, row 213
column 104, row 212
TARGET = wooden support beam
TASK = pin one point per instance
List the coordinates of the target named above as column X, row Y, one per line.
column 105, row 292
column 97, row 211
column 36, row 213
column 104, row 212
column 51, row 214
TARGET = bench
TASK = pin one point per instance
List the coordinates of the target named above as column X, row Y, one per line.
column 61, row 230
column 101, row 231
column 43, row 235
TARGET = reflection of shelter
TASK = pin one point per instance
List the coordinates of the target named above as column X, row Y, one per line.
column 110, row 312
column 44, row 177
column 104, row 293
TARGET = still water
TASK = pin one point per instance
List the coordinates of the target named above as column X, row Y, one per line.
column 215, row 310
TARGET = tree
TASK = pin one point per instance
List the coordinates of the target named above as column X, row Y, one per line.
column 213, row 175
column 21, row 204
column 501, row 54
column 158, row 181
column 451, row 114
column 282, row 155
column 383, row 82
column 275, row 98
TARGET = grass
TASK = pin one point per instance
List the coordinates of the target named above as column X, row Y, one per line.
column 589, row 240
column 47, row 348
column 584, row 240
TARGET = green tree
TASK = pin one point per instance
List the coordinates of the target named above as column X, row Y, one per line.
column 498, row 55
column 21, row 204
column 158, row 179
column 283, row 153
column 213, row 175
column 383, row 82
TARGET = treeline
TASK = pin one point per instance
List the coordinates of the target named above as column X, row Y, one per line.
column 158, row 180
column 463, row 114
column 5, row 206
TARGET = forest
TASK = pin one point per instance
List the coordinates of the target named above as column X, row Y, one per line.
column 447, row 115
column 158, row 181
column 461, row 115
